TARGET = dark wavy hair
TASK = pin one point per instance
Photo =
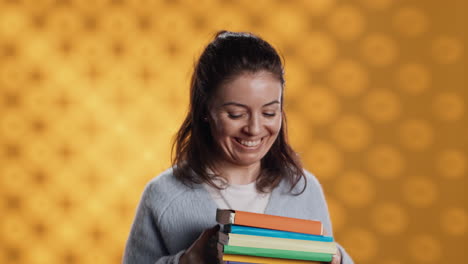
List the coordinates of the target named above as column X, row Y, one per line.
column 226, row 57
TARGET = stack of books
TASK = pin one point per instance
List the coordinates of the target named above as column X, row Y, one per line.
column 260, row 238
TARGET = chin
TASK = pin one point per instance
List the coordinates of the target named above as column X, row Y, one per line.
column 248, row 161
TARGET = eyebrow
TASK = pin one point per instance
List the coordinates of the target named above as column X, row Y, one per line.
column 242, row 105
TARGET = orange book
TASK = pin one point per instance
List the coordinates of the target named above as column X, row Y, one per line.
column 225, row 216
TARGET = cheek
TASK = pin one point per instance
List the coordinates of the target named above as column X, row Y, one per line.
column 275, row 126
column 222, row 128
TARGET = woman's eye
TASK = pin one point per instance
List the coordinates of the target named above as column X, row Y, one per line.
column 234, row 116
column 269, row 114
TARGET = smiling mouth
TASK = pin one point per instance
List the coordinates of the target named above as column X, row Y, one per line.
column 249, row 143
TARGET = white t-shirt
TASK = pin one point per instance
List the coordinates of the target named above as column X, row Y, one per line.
column 240, row 197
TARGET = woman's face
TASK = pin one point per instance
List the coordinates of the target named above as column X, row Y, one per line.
column 245, row 117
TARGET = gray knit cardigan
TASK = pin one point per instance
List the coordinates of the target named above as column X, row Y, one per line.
column 171, row 216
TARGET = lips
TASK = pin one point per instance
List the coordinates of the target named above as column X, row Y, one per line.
column 249, row 143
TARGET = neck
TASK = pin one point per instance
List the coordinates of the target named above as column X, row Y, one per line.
column 241, row 175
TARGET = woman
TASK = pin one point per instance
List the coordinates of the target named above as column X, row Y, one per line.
column 231, row 152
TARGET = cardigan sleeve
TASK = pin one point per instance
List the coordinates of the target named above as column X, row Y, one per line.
column 345, row 258
column 145, row 244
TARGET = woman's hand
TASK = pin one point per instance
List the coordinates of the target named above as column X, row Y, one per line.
column 203, row 250
column 336, row 258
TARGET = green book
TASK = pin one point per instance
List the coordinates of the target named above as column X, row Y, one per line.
column 277, row 253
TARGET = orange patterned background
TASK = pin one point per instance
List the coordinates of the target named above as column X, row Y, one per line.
column 91, row 93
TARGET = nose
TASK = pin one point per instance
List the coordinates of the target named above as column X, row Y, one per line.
column 253, row 127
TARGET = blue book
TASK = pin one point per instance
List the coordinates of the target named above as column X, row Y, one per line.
column 255, row 231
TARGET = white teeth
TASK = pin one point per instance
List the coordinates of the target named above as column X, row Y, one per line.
column 250, row 143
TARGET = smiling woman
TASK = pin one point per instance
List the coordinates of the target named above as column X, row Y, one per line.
column 231, row 152
column 245, row 119
column 238, row 78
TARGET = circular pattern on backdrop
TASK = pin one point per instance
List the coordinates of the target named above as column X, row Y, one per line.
column 448, row 107
column 13, row 75
column 11, row 202
column 348, row 77
column 11, row 100
column 298, row 130
column 382, row 105
column 454, row 221
column 319, row 49
column 379, row 49
column 410, row 21
column 10, row 49
column 13, row 126
column 319, row 105
column 416, row 134
column 420, row 191
column 40, row 152
column 62, row 61
column 389, row 218
column 390, row 261
column 116, row 23
column 13, row 177
column 351, row 132
column 337, row 214
column 323, row 159
column 425, row 248
column 288, row 23
column 45, row 206
column 413, row 78
column 346, row 22
column 318, row 7
column 363, row 189
column 62, row 21
column 385, row 161
column 447, row 49
column 12, row 22
column 378, row 4
column 451, row 163
column 14, row 225
column 97, row 6
column 361, row 242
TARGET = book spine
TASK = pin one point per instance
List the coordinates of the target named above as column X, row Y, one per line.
column 277, row 253
column 256, row 259
column 278, row 223
column 223, row 238
column 255, row 231
column 281, row 243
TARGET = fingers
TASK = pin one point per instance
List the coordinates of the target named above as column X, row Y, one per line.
column 207, row 234
column 336, row 258
column 196, row 253
column 211, row 252
column 213, row 230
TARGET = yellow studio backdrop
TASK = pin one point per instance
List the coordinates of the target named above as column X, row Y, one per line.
column 91, row 93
